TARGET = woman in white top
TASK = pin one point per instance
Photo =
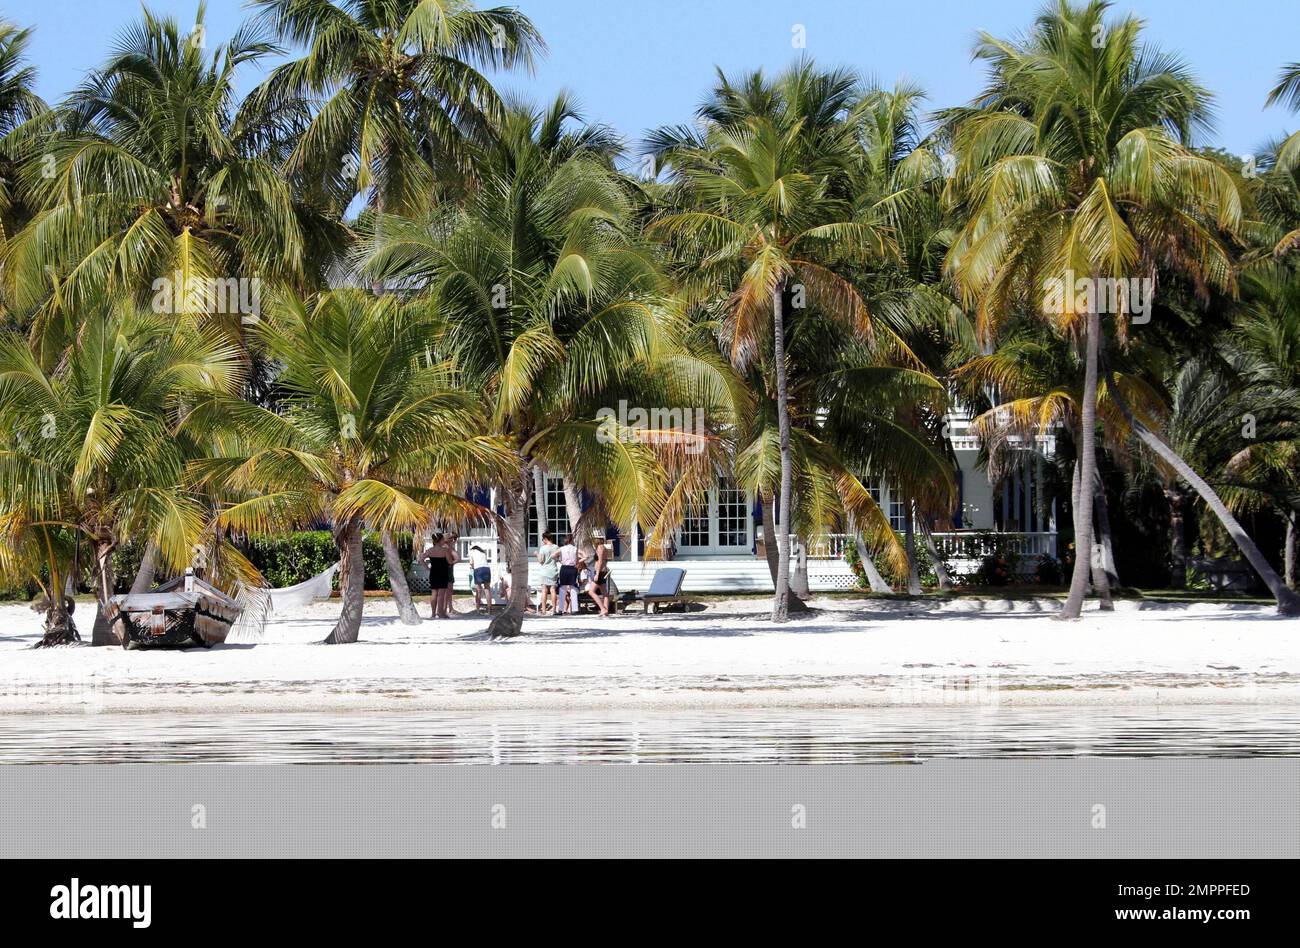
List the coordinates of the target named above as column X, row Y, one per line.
column 568, row 579
column 481, row 576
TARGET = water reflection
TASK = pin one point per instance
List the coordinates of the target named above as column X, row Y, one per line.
column 781, row 737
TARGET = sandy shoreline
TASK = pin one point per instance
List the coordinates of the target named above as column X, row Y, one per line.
column 847, row 654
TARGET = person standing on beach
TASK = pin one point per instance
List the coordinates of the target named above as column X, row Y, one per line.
column 598, row 577
column 481, row 577
column 441, row 557
column 568, row 576
column 548, row 555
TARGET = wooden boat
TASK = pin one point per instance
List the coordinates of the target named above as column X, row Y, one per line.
column 182, row 612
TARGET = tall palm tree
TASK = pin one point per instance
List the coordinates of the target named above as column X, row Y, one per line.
column 1075, row 162
column 552, row 309
column 370, row 431
column 398, row 92
column 765, row 208
column 92, row 445
column 161, row 190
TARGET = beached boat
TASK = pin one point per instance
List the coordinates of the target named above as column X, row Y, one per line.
column 185, row 611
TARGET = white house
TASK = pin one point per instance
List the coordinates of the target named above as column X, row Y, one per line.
column 720, row 546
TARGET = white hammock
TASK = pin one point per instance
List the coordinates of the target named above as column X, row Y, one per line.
column 304, row 594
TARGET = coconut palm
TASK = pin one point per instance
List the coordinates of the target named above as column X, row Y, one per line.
column 553, row 310
column 369, row 431
column 765, row 212
column 92, row 445
column 397, row 91
column 1074, row 162
column 19, row 103
column 160, row 190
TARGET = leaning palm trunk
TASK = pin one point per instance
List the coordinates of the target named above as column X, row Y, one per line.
column 1288, row 602
column 352, row 584
column 874, row 579
column 940, row 570
column 144, row 576
column 510, row 622
column 781, row 601
column 909, row 544
column 103, row 633
column 1083, row 558
column 397, row 581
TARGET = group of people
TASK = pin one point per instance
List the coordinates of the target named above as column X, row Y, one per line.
column 563, row 569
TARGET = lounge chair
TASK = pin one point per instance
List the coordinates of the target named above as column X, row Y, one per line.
column 665, row 588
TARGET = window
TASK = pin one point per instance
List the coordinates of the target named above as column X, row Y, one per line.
column 695, row 524
column 557, row 513
column 897, row 511
column 733, row 516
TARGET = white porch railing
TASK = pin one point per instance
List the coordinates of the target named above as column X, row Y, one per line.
column 973, row 546
column 969, row 545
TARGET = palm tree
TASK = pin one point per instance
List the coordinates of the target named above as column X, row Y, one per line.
column 19, row 103
column 765, row 211
column 92, row 447
column 160, row 191
column 370, row 430
column 399, row 92
column 1075, row 161
column 552, row 309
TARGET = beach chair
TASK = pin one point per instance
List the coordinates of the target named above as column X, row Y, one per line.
column 665, row 588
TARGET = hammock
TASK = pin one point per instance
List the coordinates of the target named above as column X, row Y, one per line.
column 304, row 594
column 258, row 603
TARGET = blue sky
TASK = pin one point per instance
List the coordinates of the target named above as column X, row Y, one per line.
column 636, row 64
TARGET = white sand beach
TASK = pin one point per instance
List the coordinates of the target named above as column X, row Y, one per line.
column 848, row 653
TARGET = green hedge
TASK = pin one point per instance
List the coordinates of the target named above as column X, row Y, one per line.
column 286, row 560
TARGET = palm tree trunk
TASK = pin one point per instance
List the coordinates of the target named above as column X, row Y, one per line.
column 909, row 544
column 1100, row 576
column 1288, row 602
column 397, row 581
column 1292, row 549
column 781, row 601
column 103, row 633
column 352, row 585
column 1087, row 465
column 510, row 621
column 573, row 507
column 769, row 534
column 940, row 570
column 143, row 581
column 874, row 579
column 1103, row 570
column 1102, row 513
column 539, row 500
column 1177, row 537
column 59, row 627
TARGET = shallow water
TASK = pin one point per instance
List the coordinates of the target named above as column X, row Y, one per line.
column 752, row 737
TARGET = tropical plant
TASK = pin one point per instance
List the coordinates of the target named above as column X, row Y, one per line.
column 396, row 91
column 370, row 430
column 764, row 213
column 1074, row 164
column 93, row 447
column 160, row 191
column 19, row 103
column 552, row 309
